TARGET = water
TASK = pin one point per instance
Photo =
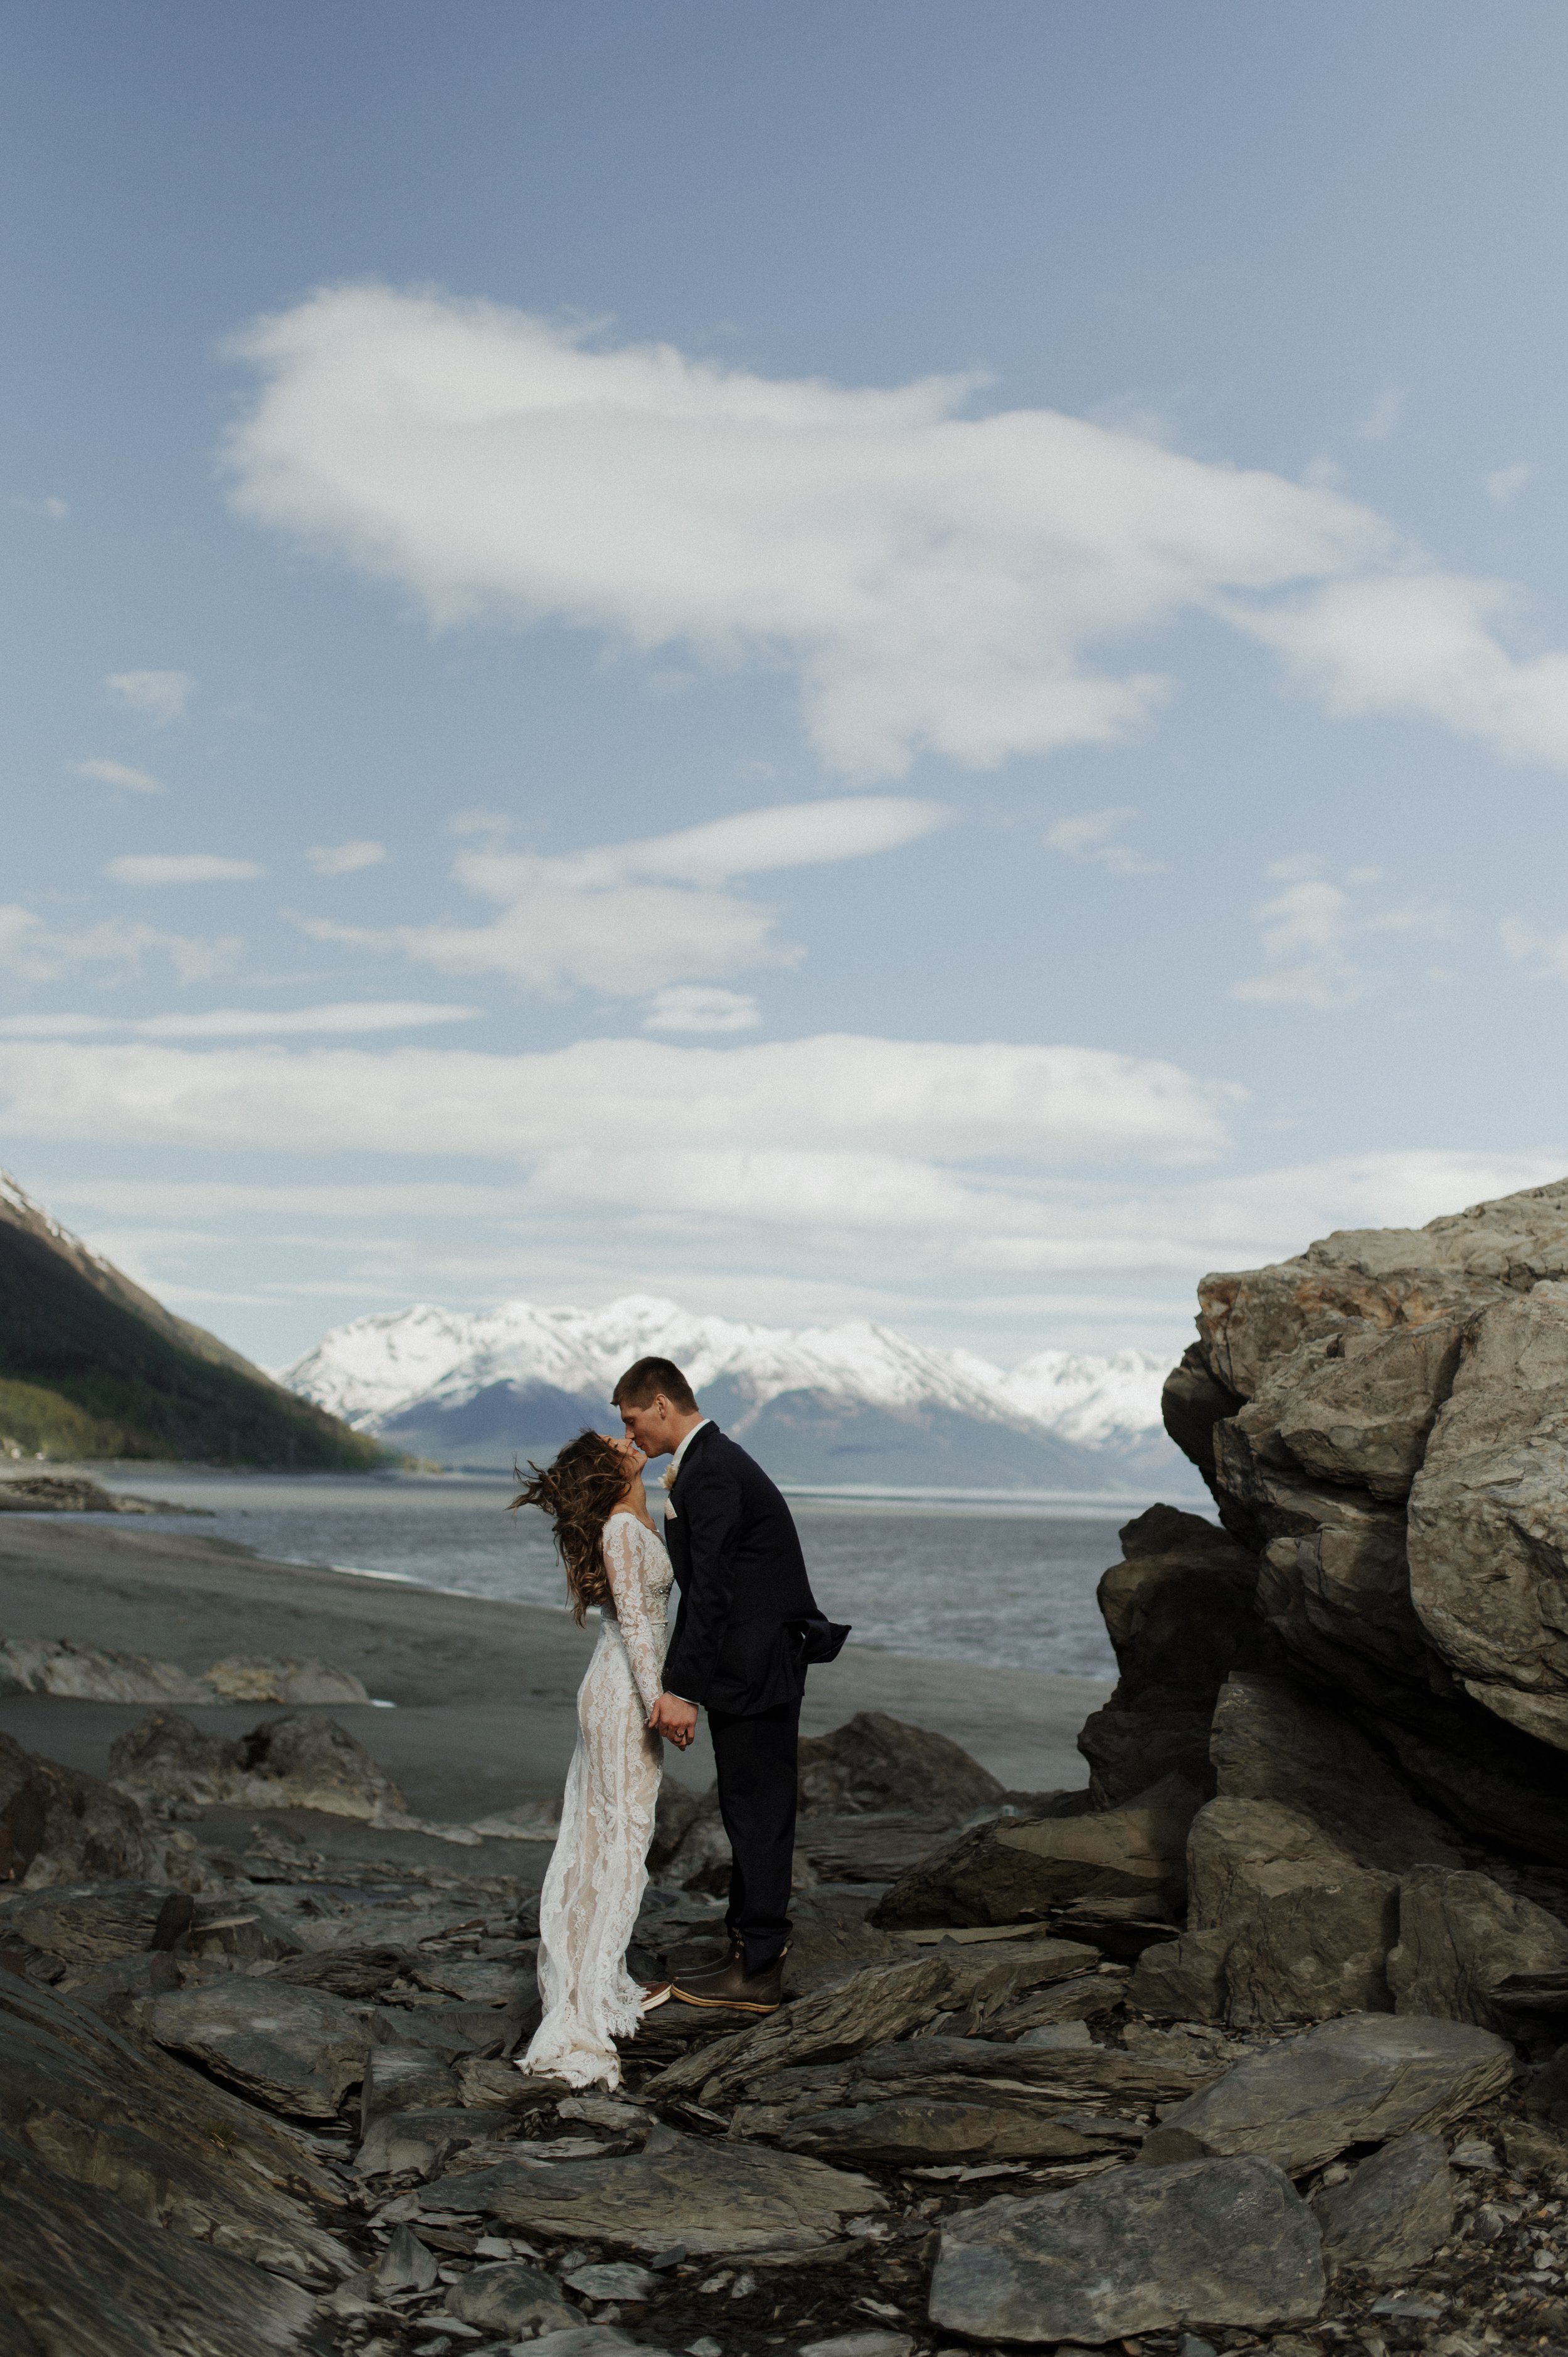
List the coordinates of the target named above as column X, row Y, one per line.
column 1009, row 1583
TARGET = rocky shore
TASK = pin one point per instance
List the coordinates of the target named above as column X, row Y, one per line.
column 1258, row 2043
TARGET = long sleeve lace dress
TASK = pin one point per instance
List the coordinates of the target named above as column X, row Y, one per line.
column 598, row 1872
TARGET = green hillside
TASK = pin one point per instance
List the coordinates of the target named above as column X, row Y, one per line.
column 91, row 1366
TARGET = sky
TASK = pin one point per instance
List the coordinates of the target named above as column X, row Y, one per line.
column 905, row 662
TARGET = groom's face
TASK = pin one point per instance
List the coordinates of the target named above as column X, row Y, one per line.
column 652, row 1427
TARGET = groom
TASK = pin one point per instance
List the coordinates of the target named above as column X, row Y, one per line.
column 748, row 1627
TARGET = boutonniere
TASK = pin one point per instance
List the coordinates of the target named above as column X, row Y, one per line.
column 666, row 1479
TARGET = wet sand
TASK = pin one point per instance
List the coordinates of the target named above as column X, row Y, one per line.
column 484, row 1691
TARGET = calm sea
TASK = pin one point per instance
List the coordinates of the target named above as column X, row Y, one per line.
column 1006, row 1581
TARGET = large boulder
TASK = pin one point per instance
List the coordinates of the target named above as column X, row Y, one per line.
column 1179, row 1612
column 58, row 1826
column 302, row 1761
column 1014, row 1870
column 875, row 1764
column 1357, row 2081
column 1146, row 2250
column 1383, row 1422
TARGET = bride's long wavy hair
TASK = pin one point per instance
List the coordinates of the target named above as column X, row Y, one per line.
column 579, row 1491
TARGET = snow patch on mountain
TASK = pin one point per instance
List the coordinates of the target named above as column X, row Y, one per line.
column 379, row 1368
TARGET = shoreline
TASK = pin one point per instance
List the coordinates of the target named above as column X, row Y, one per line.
column 484, row 1689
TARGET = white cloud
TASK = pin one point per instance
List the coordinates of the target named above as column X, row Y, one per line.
column 55, row 510
column 39, row 953
column 937, row 582
column 1385, row 415
column 1308, row 934
column 959, row 1102
column 1091, row 834
column 688, row 1006
column 1543, row 955
column 630, row 919
column 159, row 696
column 117, row 773
column 241, row 1022
column 345, row 858
column 1504, row 484
column 180, row 867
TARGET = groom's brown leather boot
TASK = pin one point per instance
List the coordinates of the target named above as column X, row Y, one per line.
column 731, row 1987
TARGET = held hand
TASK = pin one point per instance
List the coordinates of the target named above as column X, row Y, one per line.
column 675, row 1719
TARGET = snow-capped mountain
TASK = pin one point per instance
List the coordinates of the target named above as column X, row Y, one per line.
column 840, row 1405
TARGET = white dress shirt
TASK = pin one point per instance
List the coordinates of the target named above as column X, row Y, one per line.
column 685, row 1444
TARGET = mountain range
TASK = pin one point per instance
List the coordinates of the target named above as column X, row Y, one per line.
column 90, row 1366
column 842, row 1406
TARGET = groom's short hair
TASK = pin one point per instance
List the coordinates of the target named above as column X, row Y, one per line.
column 646, row 1378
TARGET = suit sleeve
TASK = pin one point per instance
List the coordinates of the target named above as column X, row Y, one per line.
column 710, row 1510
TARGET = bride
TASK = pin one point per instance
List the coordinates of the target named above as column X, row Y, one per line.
column 614, row 1559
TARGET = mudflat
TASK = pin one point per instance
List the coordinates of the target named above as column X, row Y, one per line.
column 484, row 1691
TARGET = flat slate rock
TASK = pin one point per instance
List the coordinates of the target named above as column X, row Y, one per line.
column 294, row 2050
column 1361, row 2080
column 711, row 2195
column 407, row 2079
column 1144, row 2250
column 915, row 2129
column 1396, row 2209
column 416, row 2143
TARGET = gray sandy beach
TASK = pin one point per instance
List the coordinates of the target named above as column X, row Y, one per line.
column 483, row 1691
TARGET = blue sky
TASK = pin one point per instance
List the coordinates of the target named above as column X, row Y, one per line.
column 904, row 662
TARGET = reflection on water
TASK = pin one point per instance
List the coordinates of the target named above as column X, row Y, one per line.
column 1009, row 1584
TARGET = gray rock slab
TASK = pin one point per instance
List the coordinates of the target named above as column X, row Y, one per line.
column 859, row 2344
column 711, row 2195
column 294, row 2050
column 407, row 2079
column 920, row 2129
column 1392, row 2212
column 171, row 2149
column 1011, row 1871
column 405, row 2265
column 1470, row 1950
column 1184, row 1979
column 416, row 2143
column 617, row 2279
column 592, row 2340
column 1361, row 2080
column 514, row 2297
column 884, row 2001
column 81, row 2271
column 1202, row 2242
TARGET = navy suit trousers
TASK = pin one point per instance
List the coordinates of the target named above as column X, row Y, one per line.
column 755, row 1753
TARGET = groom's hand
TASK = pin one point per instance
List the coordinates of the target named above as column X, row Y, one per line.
column 672, row 1717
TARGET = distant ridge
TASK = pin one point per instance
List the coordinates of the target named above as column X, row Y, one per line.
column 91, row 1366
column 844, row 1406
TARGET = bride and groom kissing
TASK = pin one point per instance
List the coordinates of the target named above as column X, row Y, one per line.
column 746, row 1628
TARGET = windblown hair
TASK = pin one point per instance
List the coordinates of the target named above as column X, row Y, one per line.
column 646, row 1378
column 579, row 1492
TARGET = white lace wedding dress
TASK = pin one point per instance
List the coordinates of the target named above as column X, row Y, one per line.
column 598, row 1872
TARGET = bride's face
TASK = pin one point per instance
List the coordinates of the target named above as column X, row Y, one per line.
column 631, row 1456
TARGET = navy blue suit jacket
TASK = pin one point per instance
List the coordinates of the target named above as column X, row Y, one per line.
column 748, row 1621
